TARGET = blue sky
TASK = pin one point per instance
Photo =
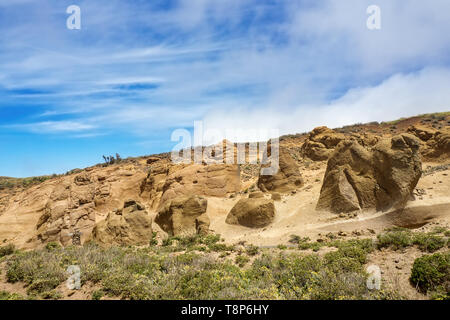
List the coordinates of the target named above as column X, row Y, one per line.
column 137, row 70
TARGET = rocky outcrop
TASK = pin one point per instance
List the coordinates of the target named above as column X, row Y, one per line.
column 398, row 168
column 165, row 182
column 381, row 177
column 252, row 213
column 70, row 208
column 202, row 224
column 320, row 143
column 435, row 143
column 183, row 216
column 287, row 178
column 130, row 225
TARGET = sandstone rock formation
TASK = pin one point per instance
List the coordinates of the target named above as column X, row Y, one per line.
column 166, row 182
column 398, row 168
column 70, row 207
column 202, row 224
column 287, row 178
column 183, row 216
column 358, row 178
column 252, row 213
column 435, row 143
column 320, row 143
column 128, row 226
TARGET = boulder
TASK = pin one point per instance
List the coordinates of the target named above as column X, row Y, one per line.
column 252, row 213
column 397, row 168
column 382, row 177
column 349, row 182
column 183, row 215
column 287, row 178
column 130, row 225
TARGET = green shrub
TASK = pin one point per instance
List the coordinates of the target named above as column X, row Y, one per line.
column 395, row 239
column 242, row 260
column 97, row 294
column 52, row 246
column 153, row 241
column 429, row 242
column 438, row 230
column 295, row 239
column 252, row 250
column 51, row 295
column 430, row 271
column 7, row 250
column 10, row 296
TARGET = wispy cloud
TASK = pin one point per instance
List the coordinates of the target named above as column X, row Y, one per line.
column 401, row 95
column 53, row 127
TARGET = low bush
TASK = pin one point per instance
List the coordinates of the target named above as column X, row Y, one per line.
column 431, row 271
column 7, row 250
column 396, row 239
column 429, row 242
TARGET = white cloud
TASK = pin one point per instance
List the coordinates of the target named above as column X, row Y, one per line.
column 399, row 96
column 55, row 127
column 411, row 32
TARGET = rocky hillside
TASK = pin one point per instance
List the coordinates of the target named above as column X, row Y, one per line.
column 351, row 179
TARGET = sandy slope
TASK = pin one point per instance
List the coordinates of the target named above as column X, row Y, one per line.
column 296, row 213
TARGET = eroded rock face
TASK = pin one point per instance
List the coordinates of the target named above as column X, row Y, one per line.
column 435, row 143
column 167, row 182
column 287, row 178
column 183, row 216
column 130, row 225
column 74, row 201
column 70, row 208
column 252, row 213
column 320, row 143
column 398, row 168
column 381, row 178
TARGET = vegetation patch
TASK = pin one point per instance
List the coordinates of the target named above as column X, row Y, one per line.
column 431, row 274
column 7, row 250
column 400, row 238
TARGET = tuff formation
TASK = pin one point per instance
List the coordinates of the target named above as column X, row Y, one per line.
column 252, row 213
column 130, row 225
column 321, row 143
column 382, row 177
column 287, row 178
column 184, row 215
